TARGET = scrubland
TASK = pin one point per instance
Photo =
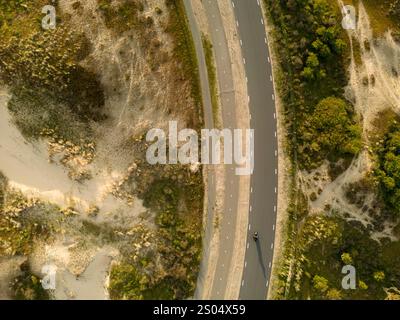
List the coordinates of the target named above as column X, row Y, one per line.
column 339, row 89
column 75, row 189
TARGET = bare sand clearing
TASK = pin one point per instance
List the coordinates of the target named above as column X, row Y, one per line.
column 28, row 169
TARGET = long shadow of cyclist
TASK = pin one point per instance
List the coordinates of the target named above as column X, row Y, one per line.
column 259, row 253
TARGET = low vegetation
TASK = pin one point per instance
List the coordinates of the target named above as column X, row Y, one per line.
column 168, row 267
column 388, row 171
column 326, row 245
column 50, row 90
column 212, row 78
column 53, row 96
column 312, row 54
column 175, row 196
column 310, row 48
column 330, row 132
column 27, row 286
column 122, row 16
column 184, row 50
column 312, row 51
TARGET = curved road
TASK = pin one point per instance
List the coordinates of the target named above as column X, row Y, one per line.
column 208, row 124
column 227, row 225
column 263, row 198
column 264, row 181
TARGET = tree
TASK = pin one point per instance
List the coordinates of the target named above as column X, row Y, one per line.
column 388, row 172
column 362, row 285
column 330, row 131
column 379, row 276
column 334, row 294
column 321, row 284
column 346, row 258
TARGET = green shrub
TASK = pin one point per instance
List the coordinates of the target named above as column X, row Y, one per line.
column 388, row 169
column 329, row 133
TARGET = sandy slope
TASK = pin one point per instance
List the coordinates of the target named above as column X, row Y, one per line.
column 136, row 99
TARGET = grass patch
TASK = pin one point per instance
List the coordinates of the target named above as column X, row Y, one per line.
column 384, row 120
column 325, row 245
column 123, row 15
column 184, row 49
column 21, row 223
column 33, row 111
column 380, row 17
column 177, row 242
column 50, row 90
column 212, row 78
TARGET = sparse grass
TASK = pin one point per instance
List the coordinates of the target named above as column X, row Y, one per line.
column 103, row 232
column 184, row 50
column 381, row 21
column 380, row 125
column 122, row 16
column 321, row 244
column 20, row 223
column 34, row 111
column 378, row 11
column 212, row 78
column 50, row 90
column 356, row 52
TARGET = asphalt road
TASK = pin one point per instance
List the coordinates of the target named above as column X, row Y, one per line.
column 262, row 211
column 227, row 224
column 264, row 181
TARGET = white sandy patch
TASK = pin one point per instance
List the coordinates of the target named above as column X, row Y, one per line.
column 81, row 272
column 137, row 99
column 27, row 167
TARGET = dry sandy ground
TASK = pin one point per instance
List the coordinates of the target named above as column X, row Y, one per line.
column 136, row 99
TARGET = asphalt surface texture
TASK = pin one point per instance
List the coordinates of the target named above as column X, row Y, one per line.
column 227, row 224
column 264, row 181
